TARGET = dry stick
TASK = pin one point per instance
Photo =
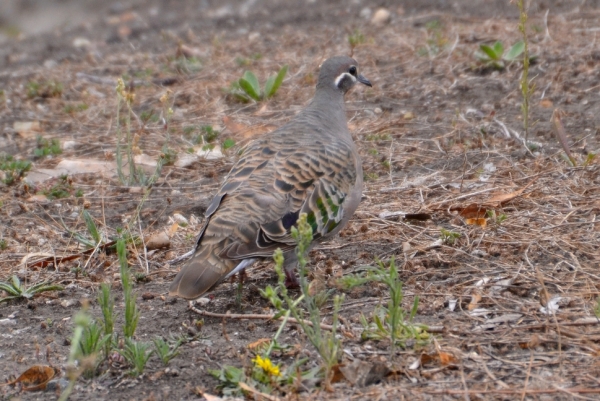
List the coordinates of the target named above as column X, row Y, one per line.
column 527, row 376
column 251, row 316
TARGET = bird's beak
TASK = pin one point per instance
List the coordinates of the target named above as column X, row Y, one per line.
column 363, row 80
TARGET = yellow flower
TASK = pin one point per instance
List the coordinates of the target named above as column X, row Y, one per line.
column 266, row 365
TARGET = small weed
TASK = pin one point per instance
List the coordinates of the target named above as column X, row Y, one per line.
column 378, row 137
column 166, row 351
column 132, row 313
column 75, row 108
column 436, row 41
column 3, row 245
column 589, row 159
column 373, row 152
column 13, row 169
column 15, row 289
column 496, row 57
column 168, row 156
column 137, row 354
column 496, row 218
column 79, row 193
column 60, row 189
column 449, row 237
column 187, row 65
column 44, row 89
column 90, row 345
column 47, row 147
column 356, row 38
column 107, row 304
column 247, row 87
column 228, row 143
column 390, row 322
column 597, row 308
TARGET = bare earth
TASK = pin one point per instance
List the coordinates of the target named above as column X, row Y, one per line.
column 439, row 136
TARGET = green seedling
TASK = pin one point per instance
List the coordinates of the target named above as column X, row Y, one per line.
column 390, row 322
column 106, row 300
column 247, row 87
column 91, row 344
column 166, row 350
column 3, row 244
column 76, row 364
column 449, row 237
column 132, row 313
column 137, row 354
column 13, row 169
column 15, row 289
column 44, row 89
column 47, row 147
column 495, row 56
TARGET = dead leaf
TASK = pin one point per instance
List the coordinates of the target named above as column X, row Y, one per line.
column 35, row 378
column 256, row 394
column 475, row 298
column 258, row 343
column 546, row 103
column 503, row 198
column 533, row 342
column 477, row 222
column 173, row 229
column 472, row 211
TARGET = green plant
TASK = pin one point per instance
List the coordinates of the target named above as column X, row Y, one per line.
column 390, row 322
column 132, row 313
column 76, row 364
column 47, row 147
column 526, row 86
column 436, row 41
column 136, row 174
column 91, row 343
column 166, row 351
column 107, row 304
column 496, row 218
column 495, row 56
column 74, row 108
column 15, row 289
column 247, row 87
column 13, row 169
column 3, row 244
column 327, row 343
column 228, row 143
column 448, row 237
column 356, row 38
column 137, row 354
column 44, row 89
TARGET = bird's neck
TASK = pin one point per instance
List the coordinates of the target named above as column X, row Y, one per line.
column 327, row 110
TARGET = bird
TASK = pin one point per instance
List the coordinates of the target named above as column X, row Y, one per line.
column 309, row 165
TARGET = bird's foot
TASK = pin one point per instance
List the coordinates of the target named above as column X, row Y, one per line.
column 291, row 281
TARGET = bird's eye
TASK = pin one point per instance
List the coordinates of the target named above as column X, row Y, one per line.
column 352, row 70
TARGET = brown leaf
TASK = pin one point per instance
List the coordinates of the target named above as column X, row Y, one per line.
column 475, row 298
column 35, row 378
column 258, row 343
column 477, row 222
column 503, row 198
column 472, row 211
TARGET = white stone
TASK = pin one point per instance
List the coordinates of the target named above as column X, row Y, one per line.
column 381, row 17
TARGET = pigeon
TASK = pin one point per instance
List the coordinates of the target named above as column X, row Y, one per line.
column 309, row 165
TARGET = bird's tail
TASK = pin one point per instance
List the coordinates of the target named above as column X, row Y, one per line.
column 201, row 273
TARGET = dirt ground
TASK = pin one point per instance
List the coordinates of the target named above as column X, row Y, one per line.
column 510, row 304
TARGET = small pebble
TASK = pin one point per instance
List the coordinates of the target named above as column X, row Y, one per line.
column 381, row 17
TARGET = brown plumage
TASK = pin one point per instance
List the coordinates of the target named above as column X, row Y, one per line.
column 309, row 165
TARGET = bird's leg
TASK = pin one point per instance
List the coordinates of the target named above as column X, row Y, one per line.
column 289, row 267
column 240, row 287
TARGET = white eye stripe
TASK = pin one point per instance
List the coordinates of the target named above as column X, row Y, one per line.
column 342, row 76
